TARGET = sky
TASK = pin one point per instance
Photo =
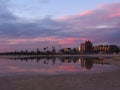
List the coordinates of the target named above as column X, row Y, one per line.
column 31, row 24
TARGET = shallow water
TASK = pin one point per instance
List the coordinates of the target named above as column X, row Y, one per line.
column 54, row 65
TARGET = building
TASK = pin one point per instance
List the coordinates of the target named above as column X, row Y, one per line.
column 106, row 49
column 86, row 47
column 82, row 47
column 65, row 51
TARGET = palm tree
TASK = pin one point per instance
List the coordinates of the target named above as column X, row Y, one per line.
column 59, row 49
column 44, row 49
column 37, row 50
column 53, row 50
column 26, row 51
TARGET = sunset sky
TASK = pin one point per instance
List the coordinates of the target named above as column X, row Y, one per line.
column 31, row 24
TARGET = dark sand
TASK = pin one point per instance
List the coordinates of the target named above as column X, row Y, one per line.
column 99, row 81
column 103, row 81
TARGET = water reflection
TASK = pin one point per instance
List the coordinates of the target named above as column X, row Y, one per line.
column 53, row 65
column 86, row 62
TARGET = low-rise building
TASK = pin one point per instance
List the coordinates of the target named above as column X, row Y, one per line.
column 106, row 49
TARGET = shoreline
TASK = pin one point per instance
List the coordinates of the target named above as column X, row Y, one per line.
column 81, row 55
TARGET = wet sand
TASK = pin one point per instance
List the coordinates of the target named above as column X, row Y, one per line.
column 103, row 81
column 98, row 81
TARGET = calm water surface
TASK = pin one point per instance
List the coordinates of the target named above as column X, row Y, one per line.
column 54, row 65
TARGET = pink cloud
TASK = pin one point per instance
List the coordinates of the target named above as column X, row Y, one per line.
column 85, row 13
column 113, row 9
column 102, row 12
column 64, row 18
column 41, row 42
column 116, row 14
column 70, row 41
column 77, row 16
column 101, row 24
column 67, row 41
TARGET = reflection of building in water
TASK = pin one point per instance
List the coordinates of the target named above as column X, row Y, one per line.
column 88, row 62
column 99, row 61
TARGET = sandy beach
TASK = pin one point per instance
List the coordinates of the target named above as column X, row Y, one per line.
column 95, row 81
column 103, row 81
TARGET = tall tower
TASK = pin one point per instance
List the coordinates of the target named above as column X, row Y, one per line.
column 86, row 47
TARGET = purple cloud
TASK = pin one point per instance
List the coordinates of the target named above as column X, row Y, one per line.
column 99, row 25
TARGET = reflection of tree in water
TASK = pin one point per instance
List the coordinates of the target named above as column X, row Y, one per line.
column 48, row 59
column 53, row 60
column 69, row 59
column 86, row 62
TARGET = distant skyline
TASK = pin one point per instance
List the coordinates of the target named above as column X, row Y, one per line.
column 31, row 24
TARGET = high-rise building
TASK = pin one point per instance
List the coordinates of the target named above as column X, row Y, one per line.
column 86, row 47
